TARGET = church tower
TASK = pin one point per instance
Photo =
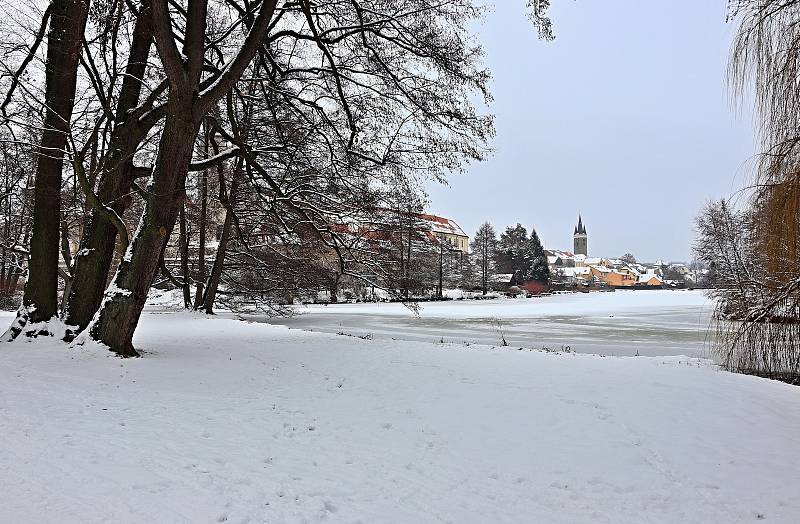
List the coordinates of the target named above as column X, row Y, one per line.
column 580, row 239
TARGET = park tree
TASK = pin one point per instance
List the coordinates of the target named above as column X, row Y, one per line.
column 17, row 164
column 539, row 270
column 66, row 21
column 512, row 252
column 484, row 253
column 308, row 114
column 468, row 277
column 537, row 11
column 753, row 251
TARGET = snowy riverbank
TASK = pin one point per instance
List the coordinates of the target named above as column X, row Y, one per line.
column 230, row 421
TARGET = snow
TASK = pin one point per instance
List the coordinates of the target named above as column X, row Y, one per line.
column 654, row 323
column 231, row 421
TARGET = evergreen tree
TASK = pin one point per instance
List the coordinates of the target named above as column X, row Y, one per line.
column 484, row 251
column 512, row 256
column 468, row 275
column 538, row 270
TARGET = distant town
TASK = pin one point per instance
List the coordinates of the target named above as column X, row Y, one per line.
column 388, row 254
column 422, row 256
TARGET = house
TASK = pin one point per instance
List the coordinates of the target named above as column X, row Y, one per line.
column 650, row 280
column 612, row 277
column 446, row 229
column 571, row 275
column 387, row 223
column 557, row 259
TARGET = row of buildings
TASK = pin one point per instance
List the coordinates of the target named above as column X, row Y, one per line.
column 569, row 269
column 574, row 269
column 577, row 269
column 421, row 254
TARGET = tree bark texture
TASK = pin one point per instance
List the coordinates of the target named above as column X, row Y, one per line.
column 184, row 255
column 94, row 259
column 201, row 253
column 67, row 24
column 124, row 299
column 227, row 228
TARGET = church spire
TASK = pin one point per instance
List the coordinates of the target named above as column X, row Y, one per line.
column 580, row 240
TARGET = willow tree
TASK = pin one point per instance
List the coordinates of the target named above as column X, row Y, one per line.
column 763, row 334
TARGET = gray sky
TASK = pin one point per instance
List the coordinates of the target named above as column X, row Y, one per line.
column 625, row 118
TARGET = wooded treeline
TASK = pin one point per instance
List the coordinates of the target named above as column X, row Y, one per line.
column 514, row 253
column 257, row 128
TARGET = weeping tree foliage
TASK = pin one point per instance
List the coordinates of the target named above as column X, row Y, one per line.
column 754, row 251
column 538, row 15
column 765, row 60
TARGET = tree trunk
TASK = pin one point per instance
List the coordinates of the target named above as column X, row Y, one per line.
column 66, row 256
column 227, row 228
column 333, row 289
column 402, row 279
column 407, row 289
column 67, row 25
column 125, row 298
column 201, row 254
column 441, row 268
column 184, row 248
column 96, row 254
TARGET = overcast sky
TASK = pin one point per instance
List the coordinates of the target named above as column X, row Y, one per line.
column 625, row 118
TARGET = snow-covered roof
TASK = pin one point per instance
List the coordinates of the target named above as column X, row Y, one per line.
column 380, row 219
column 442, row 225
column 559, row 254
column 574, row 271
column 647, row 277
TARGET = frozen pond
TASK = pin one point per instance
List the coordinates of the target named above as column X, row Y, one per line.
column 654, row 323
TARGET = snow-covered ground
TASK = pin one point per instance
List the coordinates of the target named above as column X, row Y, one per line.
column 654, row 323
column 246, row 422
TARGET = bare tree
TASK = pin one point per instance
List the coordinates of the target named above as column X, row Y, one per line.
column 115, row 173
column 67, row 21
column 189, row 101
column 755, row 315
column 352, row 104
column 484, row 251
